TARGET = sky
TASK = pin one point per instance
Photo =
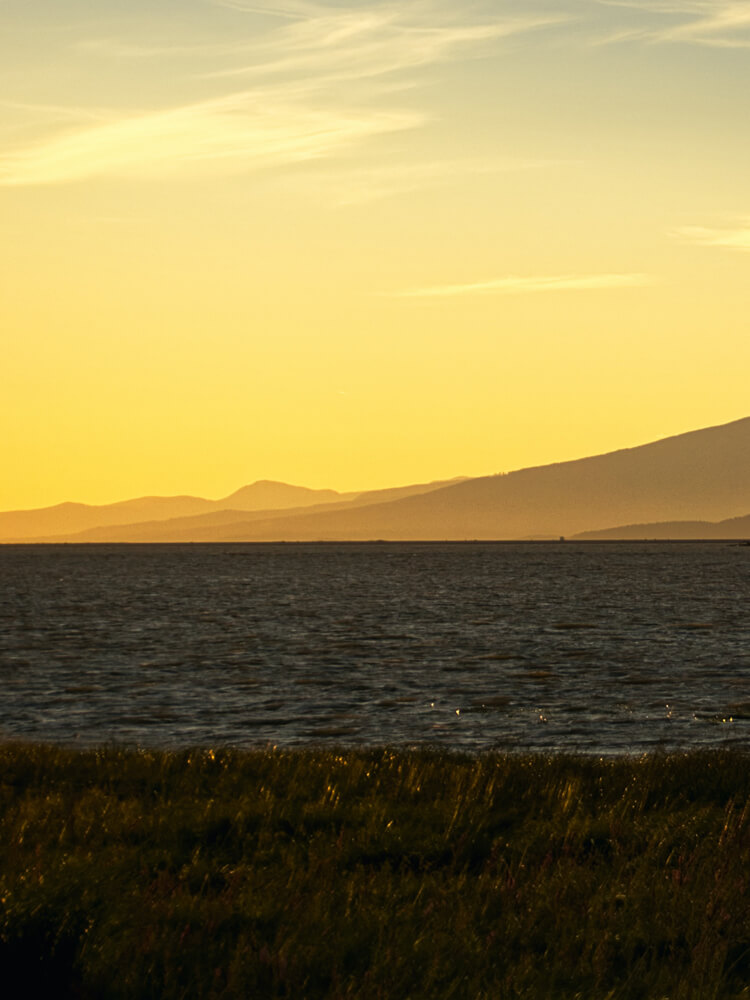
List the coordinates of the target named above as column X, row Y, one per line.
column 357, row 245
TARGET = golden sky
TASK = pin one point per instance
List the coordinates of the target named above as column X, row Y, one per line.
column 356, row 245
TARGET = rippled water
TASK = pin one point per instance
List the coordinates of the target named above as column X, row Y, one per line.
column 601, row 648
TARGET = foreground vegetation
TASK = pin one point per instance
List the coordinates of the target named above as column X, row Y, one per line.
column 129, row 874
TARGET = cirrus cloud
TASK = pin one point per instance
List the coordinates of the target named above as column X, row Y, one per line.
column 312, row 86
column 735, row 237
column 717, row 23
column 519, row 285
column 232, row 132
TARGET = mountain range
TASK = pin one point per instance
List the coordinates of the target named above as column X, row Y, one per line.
column 692, row 485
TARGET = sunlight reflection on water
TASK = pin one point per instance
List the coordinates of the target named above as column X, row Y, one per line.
column 595, row 647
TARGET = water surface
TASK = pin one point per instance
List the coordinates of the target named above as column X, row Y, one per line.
column 594, row 647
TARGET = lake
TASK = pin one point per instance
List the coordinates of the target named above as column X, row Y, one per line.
column 602, row 648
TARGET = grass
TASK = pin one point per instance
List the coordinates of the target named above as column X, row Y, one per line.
column 312, row 874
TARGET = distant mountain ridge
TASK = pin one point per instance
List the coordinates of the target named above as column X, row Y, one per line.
column 699, row 476
column 67, row 518
column 266, row 494
column 174, row 518
column 731, row 528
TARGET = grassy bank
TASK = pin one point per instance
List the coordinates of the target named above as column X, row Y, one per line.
column 373, row 875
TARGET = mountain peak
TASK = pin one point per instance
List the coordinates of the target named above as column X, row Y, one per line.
column 268, row 494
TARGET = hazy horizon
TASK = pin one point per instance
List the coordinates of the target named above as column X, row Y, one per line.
column 356, row 244
column 700, row 476
column 272, row 490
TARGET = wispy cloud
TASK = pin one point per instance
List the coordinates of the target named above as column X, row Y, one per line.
column 291, row 104
column 517, row 285
column 232, row 132
column 55, row 112
column 290, row 10
column 719, row 23
column 736, row 237
column 335, row 44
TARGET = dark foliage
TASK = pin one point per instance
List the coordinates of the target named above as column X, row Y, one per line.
column 311, row 874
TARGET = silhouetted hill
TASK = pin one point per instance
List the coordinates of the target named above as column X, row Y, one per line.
column 703, row 475
column 182, row 519
column 399, row 492
column 268, row 495
column 732, row 528
column 65, row 518
column 69, row 518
